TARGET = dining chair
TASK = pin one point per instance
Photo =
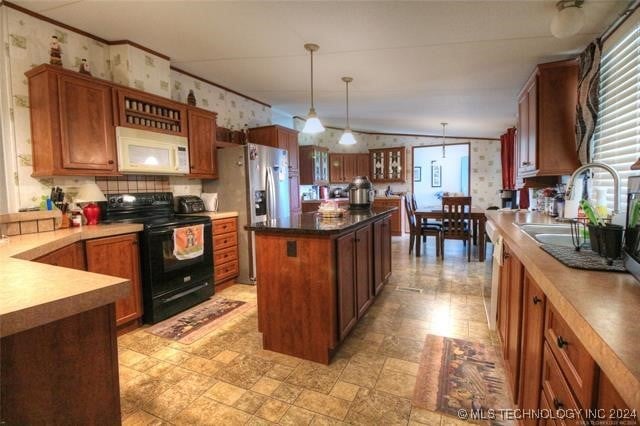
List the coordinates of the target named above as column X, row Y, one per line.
column 456, row 217
column 425, row 222
column 421, row 230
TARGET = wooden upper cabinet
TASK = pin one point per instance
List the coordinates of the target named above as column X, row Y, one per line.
column 146, row 111
column 202, row 144
column 119, row 256
column 336, row 168
column 278, row 137
column 546, row 121
column 362, row 165
column 72, row 125
column 314, row 165
column 387, row 165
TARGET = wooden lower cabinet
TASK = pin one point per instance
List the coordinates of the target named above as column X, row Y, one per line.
column 547, row 366
column 533, row 311
column 556, row 389
column 225, row 250
column 355, row 292
column 398, row 217
column 510, row 316
column 71, row 256
column 613, row 407
column 65, row 371
column 120, row 257
column 381, row 253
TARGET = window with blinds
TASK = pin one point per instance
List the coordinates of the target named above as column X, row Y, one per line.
column 616, row 140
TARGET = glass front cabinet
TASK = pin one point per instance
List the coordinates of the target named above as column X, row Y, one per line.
column 387, row 165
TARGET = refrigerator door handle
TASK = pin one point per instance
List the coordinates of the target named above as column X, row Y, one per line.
column 271, row 195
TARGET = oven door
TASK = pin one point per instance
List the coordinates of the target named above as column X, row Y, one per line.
column 164, row 273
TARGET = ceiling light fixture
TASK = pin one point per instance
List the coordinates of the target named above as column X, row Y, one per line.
column 347, row 137
column 444, row 152
column 569, row 19
column 313, row 124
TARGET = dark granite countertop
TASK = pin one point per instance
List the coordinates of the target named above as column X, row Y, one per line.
column 313, row 223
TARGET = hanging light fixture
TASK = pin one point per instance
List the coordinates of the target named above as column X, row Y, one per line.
column 313, row 124
column 347, row 137
column 444, row 152
column 569, row 19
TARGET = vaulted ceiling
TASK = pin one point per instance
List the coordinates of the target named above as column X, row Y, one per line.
column 414, row 64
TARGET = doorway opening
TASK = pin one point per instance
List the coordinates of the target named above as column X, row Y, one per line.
column 434, row 175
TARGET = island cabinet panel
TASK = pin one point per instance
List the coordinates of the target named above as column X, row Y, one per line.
column 119, row 257
column 65, row 371
column 533, row 311
column 71, row 256
column 202, row 144
column 72, row 123
column 297, row 309
column 347, row 309
column 381, row 253
column 576, row 364
column 397, row 217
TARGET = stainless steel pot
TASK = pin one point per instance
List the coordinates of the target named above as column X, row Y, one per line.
column 361, row 193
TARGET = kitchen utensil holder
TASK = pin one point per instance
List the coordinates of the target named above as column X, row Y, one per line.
column 595, row 238
column 612, row 238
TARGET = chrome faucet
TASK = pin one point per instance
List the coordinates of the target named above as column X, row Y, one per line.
column 616, row 182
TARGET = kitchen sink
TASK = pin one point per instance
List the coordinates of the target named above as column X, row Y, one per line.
column 555, row 239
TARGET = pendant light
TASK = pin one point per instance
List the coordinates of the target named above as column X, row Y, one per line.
column 569, row 19
column 313, row 124
column 347, row 137
column 444, row 152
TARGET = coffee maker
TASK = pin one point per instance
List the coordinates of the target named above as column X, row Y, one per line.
column 508, row 198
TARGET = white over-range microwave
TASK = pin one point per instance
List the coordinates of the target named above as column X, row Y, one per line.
column 145, row 152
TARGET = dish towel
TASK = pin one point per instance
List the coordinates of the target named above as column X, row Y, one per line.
column 188, row 242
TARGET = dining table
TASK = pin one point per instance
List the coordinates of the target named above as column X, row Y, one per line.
column 478, row 223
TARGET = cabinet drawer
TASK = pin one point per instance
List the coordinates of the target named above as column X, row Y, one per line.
column 224, row 240
column 544, row 405
column 225, row 255
column 227, row 270
column 576, row 364
column 556, row 389
column 221, row 226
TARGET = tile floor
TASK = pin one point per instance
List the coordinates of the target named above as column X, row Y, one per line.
column 226, row 378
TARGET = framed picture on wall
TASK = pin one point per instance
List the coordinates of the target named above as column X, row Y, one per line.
column 436, row 175
column 417, row 174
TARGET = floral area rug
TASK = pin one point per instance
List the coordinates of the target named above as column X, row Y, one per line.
column 458, row 376
column 188, row 326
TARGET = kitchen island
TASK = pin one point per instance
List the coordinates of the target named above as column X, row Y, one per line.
column 317, row 277
column 570, row 337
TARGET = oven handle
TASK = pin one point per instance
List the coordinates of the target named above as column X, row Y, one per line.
column 184, row 293
column 170, row 229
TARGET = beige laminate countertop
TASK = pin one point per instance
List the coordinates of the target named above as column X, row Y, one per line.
column 602, row 308
column 33, row 294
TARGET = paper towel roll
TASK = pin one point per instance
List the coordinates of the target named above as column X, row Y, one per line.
column 571, row 209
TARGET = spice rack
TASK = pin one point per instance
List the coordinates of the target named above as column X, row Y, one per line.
column 151, row 113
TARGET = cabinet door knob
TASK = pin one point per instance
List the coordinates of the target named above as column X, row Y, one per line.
column 557, row 404
column 536, row 300
column 110, row 161
column 561, row 342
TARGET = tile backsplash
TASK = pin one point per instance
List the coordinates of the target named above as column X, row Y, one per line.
column 133, row 183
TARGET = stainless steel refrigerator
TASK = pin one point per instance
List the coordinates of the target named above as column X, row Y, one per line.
column 252, row 180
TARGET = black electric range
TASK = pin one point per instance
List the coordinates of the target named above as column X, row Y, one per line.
column 169, row 284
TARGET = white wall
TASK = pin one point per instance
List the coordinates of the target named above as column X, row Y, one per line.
column 451, row 177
